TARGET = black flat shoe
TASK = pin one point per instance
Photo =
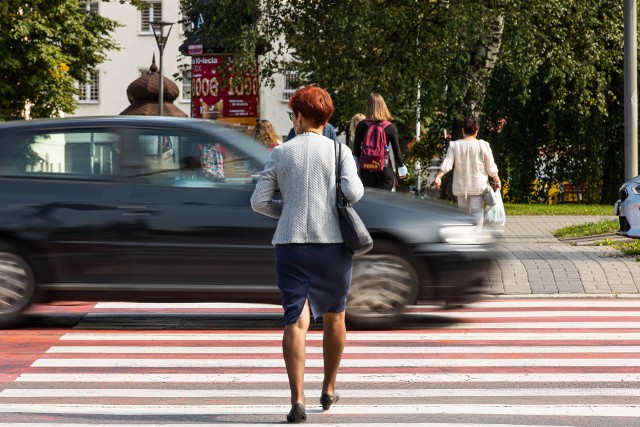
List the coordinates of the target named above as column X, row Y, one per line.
column 297, row 414
column 326, row 400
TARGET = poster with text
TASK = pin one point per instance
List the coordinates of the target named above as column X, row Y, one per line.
column 236, row 103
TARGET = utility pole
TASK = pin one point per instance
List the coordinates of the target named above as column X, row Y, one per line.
column 630, row 90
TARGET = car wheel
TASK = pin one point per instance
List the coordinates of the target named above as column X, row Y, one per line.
column 17, row 286
column 384, row 282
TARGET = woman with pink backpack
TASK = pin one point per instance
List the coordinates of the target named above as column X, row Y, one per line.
column 376, row 139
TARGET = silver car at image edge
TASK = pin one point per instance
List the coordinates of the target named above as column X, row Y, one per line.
column 627, row 208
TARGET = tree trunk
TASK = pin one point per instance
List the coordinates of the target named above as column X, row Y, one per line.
column 485, row 58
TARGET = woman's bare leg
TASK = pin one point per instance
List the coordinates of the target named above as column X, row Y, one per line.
column 334, row 338
column 294, row 351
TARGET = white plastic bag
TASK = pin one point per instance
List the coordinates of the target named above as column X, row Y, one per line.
column 495, row 214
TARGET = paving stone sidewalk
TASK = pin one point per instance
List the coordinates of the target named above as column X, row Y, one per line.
column 530, row 260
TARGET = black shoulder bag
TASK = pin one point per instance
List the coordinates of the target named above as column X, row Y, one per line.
column 354, row 233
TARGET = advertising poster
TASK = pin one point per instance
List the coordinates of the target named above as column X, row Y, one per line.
column 236, row 103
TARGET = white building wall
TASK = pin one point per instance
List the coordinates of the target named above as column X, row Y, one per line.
column 123, row 66
column 274, row 108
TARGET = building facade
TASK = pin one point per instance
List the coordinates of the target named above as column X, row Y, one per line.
column 106, row 94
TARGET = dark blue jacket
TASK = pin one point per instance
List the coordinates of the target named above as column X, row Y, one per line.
column 328, row 131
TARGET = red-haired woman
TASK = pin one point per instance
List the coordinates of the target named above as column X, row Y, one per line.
column 313, row 266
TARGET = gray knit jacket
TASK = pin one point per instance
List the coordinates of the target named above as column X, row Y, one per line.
column 303, row 169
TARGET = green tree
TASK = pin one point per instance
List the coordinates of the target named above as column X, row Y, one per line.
column 47, row 45
column 233, row 27
column 554, row 110
column 545, row 75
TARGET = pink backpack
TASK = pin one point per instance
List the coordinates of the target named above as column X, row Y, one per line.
column 374, row 146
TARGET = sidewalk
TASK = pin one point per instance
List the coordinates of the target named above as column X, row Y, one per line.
column 531, row 261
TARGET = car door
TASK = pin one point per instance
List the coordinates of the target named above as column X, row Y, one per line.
column 59, row 190
column 191, row 225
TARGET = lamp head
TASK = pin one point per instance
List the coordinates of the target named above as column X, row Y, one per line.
column 158, row 32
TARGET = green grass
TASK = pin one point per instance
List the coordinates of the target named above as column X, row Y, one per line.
column 588, row 229
column 628, row 247
column 543, row 209
column 560, row 209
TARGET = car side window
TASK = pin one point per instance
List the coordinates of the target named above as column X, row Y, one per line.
column 84, row 154
column 186, row 159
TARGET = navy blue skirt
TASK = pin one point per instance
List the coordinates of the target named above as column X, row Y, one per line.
column 319, row 272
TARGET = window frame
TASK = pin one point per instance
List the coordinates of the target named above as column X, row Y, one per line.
column 89, row 88
column 184, row 85
column 92, row 6
column 150, row 10
column 287, row 85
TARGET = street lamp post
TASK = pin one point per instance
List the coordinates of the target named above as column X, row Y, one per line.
column 630, row 90
column 161, row 40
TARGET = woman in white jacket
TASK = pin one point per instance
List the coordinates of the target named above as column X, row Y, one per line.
column 474, row 164
column 313, row 266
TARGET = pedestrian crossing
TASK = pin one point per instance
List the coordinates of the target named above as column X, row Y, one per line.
column 499, row 362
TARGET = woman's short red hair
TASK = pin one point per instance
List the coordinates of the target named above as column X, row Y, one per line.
column 314, row 103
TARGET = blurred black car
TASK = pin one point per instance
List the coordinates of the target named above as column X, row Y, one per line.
column 157, row 209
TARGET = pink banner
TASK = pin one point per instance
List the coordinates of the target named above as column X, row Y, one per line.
column 238, row 102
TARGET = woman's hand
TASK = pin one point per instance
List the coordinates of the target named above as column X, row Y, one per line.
column 496, row 183
column 438, row 182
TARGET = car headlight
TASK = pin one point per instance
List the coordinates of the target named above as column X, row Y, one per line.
column 464, row 235
column 636, row 189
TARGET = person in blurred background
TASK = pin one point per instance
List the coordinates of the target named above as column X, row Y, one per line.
column 377, row 113
column 313, row 265
column 474, row 164
column 351, row 136
column 266, row 134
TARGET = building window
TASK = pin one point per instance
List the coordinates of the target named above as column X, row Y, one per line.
column 186, row 85
column 150, row 13
column 89, row 6
column 290, row 84
column 90, row 91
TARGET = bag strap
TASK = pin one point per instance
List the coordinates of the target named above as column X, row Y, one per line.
column 338, row 165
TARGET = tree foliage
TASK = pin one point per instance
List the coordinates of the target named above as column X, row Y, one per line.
column 544, row 75
column 555, row 111
column 47, row 45
column 232, row 27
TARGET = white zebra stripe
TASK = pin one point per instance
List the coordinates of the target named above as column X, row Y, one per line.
column 353, row 336
column 530, row 325
column 344, row 378
column 523, row 314
column 400, row 362
column 306, row 425
column 164, row 305
column 284, row 392
column 476, row 409
column 348, row 350
column 514, row 302
column 523, row 303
